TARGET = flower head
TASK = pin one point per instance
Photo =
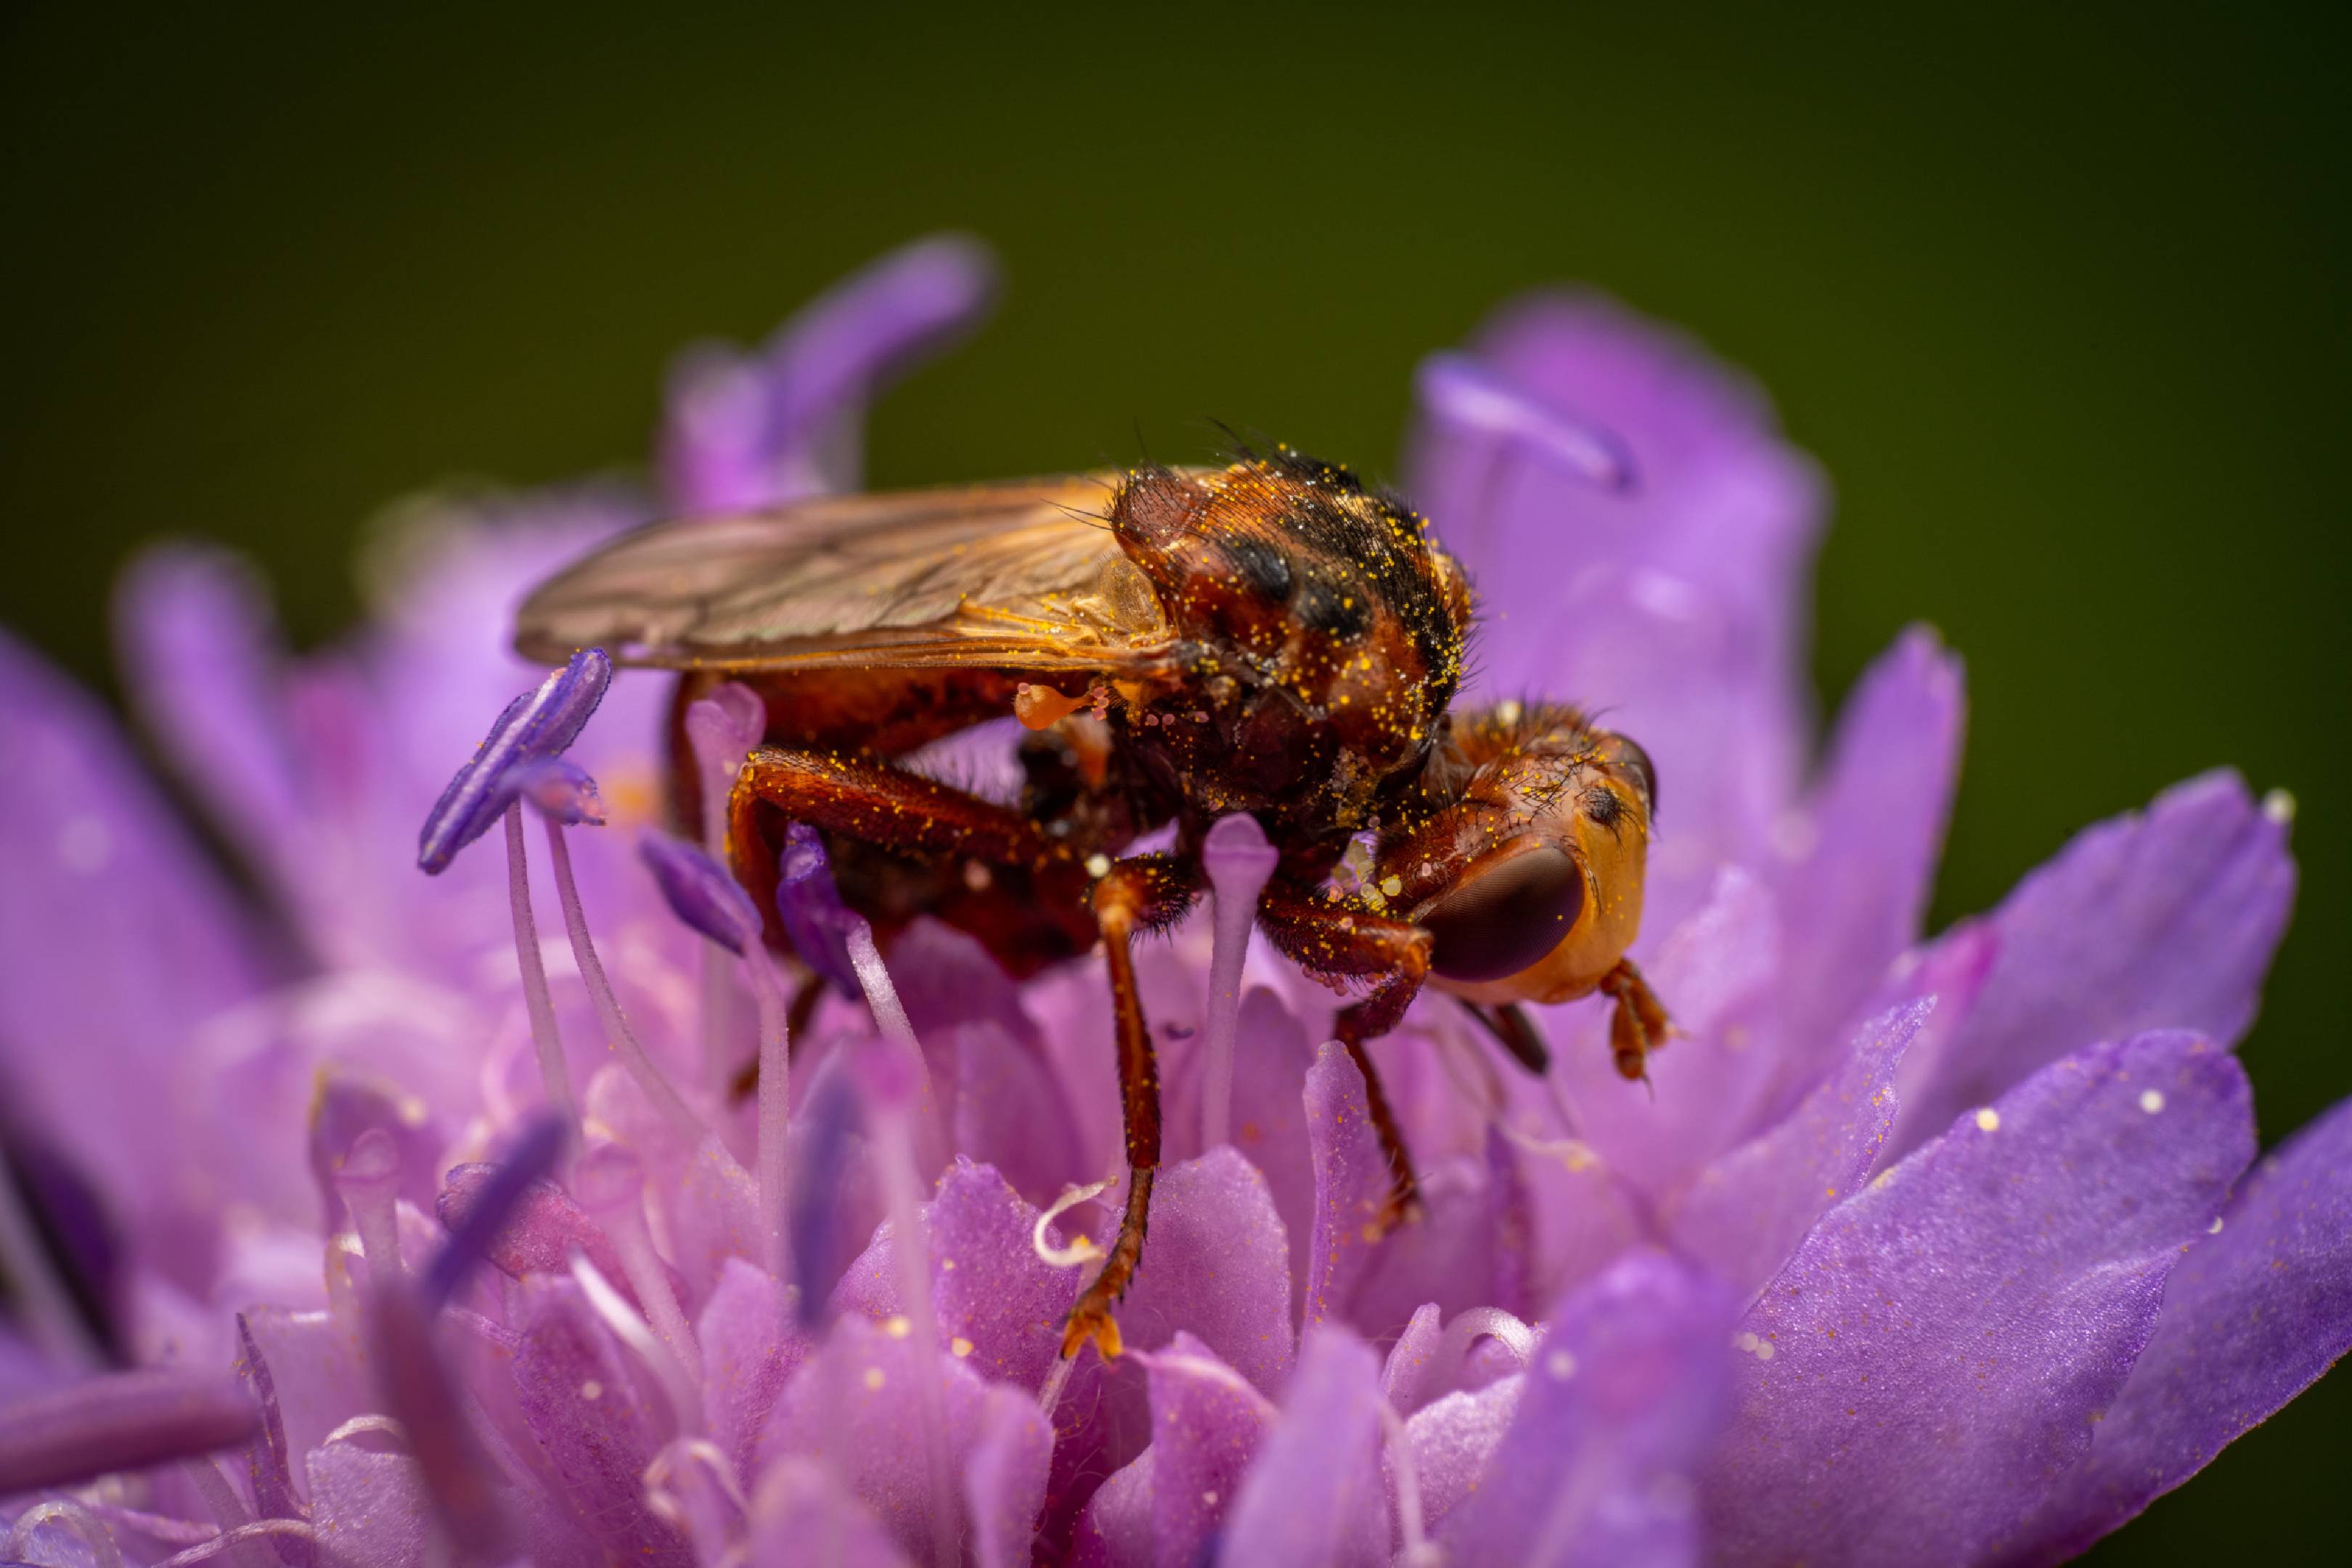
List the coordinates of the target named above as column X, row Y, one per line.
column 418, row 1231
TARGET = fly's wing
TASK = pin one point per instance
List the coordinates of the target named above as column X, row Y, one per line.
column 1017, row 575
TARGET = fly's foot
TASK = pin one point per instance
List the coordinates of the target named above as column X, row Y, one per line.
column 1638, row 1024
column 1091, row 1319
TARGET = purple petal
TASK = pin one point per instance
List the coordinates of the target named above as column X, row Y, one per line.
column 1000, row 1307
column 1217, row 1263
column 373, row 1508
column 1746, row 1212
column 1116, row 1531
column 741, row 434
column 1939, row 1347
column 1351, row 1183
column 1004, row 1091
column 596, row 1419
column 747, row 1355
column 1453, row 1441
column 1472, row 1246
column 1005, row 1480
column 802, row 1515
column 1207, row 1424
column 318, row 1376
column 537, row 724
column 120, row 1421
column 116, row 938
column 700, row 891
column 1613, row 1419
column 2161, row 920
column 1679, row 602
column 1314, row 1495
column 2253, row 1316
column 989, row 1286
column 860, row 1402
column 1854, row 898
column 201, row 661
column 1476, row 401
column 817, row 922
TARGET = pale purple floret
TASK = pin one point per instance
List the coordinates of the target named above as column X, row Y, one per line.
column 1916, row 1250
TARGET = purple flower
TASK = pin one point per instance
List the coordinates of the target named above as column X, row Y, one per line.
column 424, row 1232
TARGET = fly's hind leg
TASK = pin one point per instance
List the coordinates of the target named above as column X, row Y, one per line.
column 1329, row 941
column 1145, row 893
column 1638, row 1024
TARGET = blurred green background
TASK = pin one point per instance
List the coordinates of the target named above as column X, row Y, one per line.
column 2054, row 294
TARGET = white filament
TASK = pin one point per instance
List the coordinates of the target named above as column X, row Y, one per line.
column 618, row 1033
column 685, row 1398
column 552, row 1072
column 775, row 1108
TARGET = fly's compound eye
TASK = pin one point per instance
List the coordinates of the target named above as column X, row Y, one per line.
column 1503, row 921
column 1646, row 771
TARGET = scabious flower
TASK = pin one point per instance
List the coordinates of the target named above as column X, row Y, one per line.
column 348, row 1219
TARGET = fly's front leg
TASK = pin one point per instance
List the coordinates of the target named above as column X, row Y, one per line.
column 1145, row 893
column 1638, row 1024
column 1334, row 940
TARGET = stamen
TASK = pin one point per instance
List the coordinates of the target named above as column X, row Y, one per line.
column 611, row 1184
column 553, row 1072
column 700, row 892
column 722, row 728
column 883, row 1087
column 817, row 922
column 816, row 1215
column 103, row 1551
column 1482, row 402
column 929, row 1145
column 122, row 1421
column 1081, row 1250
column 665, row 1503
column 369, row 1183
column 618, row 1036
column 537, row 724
column 685, row 1400
column 1239, row 861
column 488, row 1209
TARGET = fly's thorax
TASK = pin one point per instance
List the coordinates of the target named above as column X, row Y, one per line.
column 1320, row 631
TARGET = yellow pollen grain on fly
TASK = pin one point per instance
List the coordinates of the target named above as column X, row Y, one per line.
column 900, row 1327
column 1988, row 1119
column 2151, row 1100
column 959, row 1346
